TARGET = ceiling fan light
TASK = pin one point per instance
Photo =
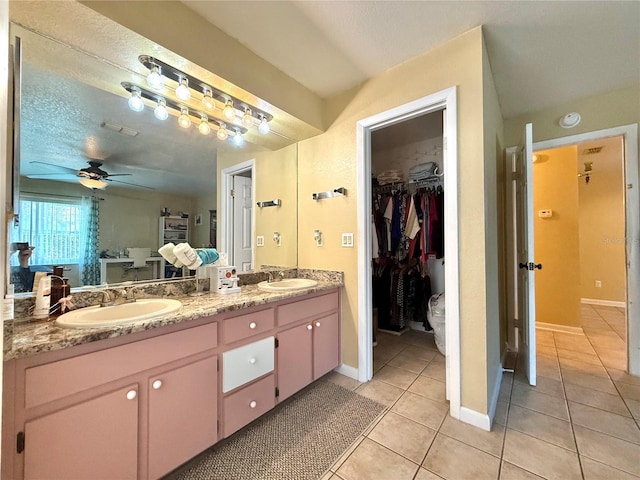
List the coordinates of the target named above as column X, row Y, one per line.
column 135, row 101
column 247, row 119
column 204, row 127
column 264, row 128
column 207, row 100
column 229, row 112
column 182, row 92
column 160, row 111
column 222, row 132
column 183, row 120
column 93, row 183
column 155, row 79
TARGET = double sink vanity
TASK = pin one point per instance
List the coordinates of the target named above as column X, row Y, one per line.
column 137, row 399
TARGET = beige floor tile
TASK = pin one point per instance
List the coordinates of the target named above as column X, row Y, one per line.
column 371, row 460
column 490, row 442
column 344, row 381
column 381, row 392
column 595, row 398
column 543, row 427
column 381, row 355
column 613, row 359
column 424, row 474
column 545, row 336
column 608, row 450
column 618, row 426
column 439, row 358
column 346, row 454
column 422, row 410
column 582, row 367
column 580, row 356
column 623, row 377
column 584, row 347
column 435, row 370
column 589, row 381
column 543, row 385
column 453, row 460
column 541, row 458
column 597, row 471
column 634, row 408
column 409, row 363
column 377, row 365
column 328, row 476
column 502, row 409
column 422, row 353
column 547, row 350
column 430, row 388
column 540, row 402
column 399, row 377
column 548, row 366
column 406, row 437
column 606, row 342
column 509, row 471
column 629, row 392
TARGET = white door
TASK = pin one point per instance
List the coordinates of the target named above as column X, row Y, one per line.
column 242, row 220
column 526, row 289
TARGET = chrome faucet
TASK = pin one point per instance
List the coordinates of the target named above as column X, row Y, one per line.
column 117, row 297
column 279, row 276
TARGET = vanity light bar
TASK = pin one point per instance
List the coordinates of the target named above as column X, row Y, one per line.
column 156, row 97
column 194, row 83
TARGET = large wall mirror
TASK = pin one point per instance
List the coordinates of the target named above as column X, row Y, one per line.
column 75, row 116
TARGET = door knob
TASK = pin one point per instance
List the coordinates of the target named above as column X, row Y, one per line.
column 523, row 265
column 530, row 266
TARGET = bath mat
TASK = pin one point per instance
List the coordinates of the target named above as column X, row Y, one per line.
column 299, row 439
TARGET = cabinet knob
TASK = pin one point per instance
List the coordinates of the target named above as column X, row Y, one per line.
column 131, row 394
column 252, row 360
column 252, row 325
column 253, row 404
column 309, row 327
column 317, row 324
column 156, row 384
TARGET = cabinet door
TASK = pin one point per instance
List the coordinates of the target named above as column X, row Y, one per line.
column 326, row 345
column 183, row 414
column 294, row 359
column 96, row 439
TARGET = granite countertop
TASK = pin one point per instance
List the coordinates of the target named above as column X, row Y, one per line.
column 26, row 338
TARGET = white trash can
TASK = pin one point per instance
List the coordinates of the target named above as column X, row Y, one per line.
column 436, row 317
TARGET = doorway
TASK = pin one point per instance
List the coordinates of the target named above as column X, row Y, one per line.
column 237, row 223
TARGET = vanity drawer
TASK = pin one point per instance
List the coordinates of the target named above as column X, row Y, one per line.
column 295, row 311
column 51, row 381
column 245, row 326
column 247, row 404
column 246, row 363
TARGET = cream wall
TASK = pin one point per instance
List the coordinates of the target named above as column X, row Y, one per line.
column 328, row 161
column 555, row 188
column 200, row 233
column 275, row 178
column 602, row 231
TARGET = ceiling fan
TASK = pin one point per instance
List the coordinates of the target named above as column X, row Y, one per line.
column 91, row 177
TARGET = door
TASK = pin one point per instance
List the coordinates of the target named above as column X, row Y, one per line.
column 526, row 290
column 294, row 359
column 242, row 221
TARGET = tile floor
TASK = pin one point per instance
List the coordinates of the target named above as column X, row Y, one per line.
column 579, row 422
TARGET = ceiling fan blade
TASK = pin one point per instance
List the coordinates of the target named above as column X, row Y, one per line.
column 127, row 183
column 71, row 170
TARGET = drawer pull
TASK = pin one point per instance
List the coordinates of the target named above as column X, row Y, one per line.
column 253, row 325
column 253, row 404
column 156, row 384
column 131, row 394
column 252, row 360
column 317, row 324
column 309, row 327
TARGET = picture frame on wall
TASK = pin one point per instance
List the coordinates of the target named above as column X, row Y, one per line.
column 199, row 219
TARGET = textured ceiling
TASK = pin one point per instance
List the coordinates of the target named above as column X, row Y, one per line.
column 542, row 53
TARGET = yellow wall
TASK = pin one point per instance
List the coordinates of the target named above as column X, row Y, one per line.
column 200, row 233
column 555, row 188
column 329, row 161
column 602, row 253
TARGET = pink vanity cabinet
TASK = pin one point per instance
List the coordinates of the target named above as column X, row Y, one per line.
column 131, row 410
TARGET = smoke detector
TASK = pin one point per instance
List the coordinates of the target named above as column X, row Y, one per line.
column 570, row 120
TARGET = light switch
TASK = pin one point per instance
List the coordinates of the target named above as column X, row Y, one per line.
column 260, row 241
column 545, row 213
column 347, row 240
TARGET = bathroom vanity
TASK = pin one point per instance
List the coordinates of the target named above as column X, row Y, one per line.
column 147, row 399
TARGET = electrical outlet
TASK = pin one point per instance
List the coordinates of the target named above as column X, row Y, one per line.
column 347, row 240
column 260, row 241
column 598, row 284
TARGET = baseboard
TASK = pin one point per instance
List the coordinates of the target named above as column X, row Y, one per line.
column 604, row 303
column 496, row 392
column 347, row 371
column 477, row 419
column 559, row 328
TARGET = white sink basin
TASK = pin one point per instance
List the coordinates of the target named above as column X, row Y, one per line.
column 145, row 309
column 287, row 284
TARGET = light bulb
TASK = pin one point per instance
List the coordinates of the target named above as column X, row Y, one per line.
column 229, row 111
column 222, row 132
column 204, row 125
column 155, row 79
column 183, row 120
column 207, row 100
column 247, row 119
column 237, row 138
column 135, row 102
column 182, row 92
column 264, row 128
column 160, row 111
